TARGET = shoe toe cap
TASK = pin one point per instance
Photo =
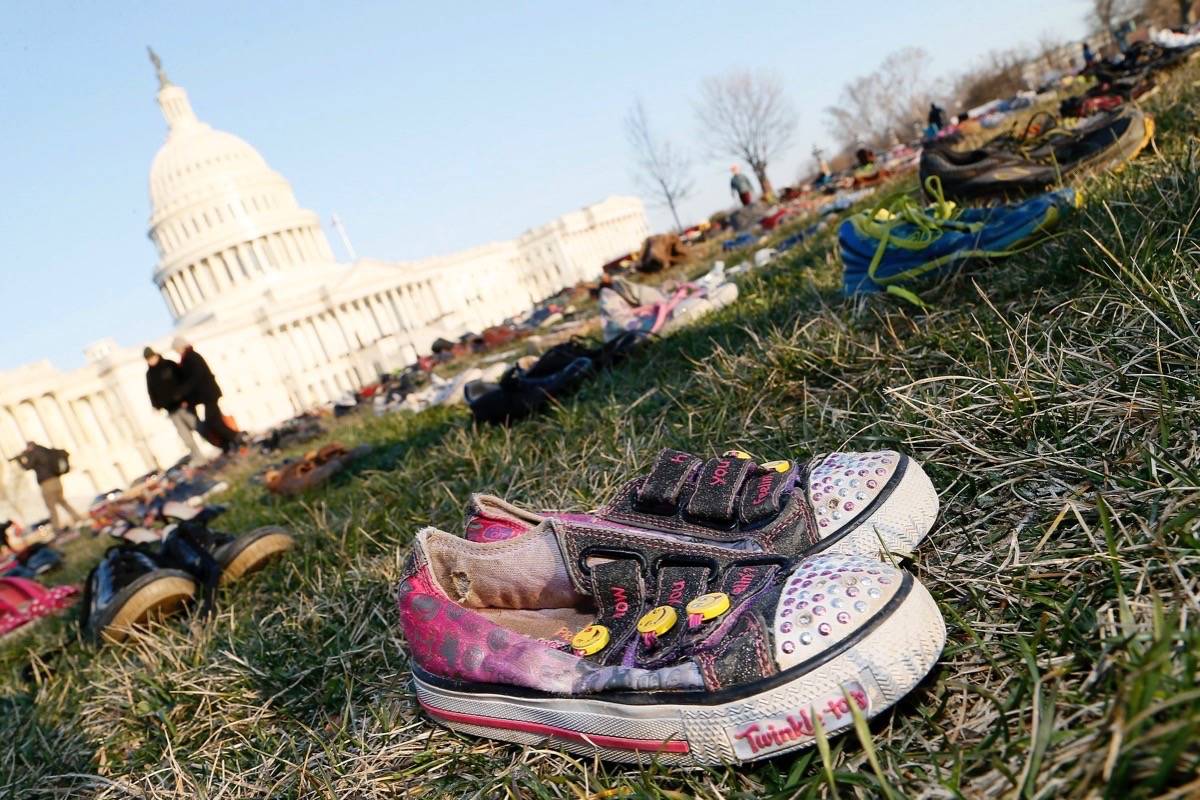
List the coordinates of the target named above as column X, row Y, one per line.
column 842, row 485
column 827, row 599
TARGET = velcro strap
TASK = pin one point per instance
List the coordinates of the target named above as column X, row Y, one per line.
column 717, row 488
column 620, row 600
column 763, row 496
column 742, row 580
column 660, row 490
column 677, row 586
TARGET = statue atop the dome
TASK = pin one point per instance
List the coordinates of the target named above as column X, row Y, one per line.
column 163, row 80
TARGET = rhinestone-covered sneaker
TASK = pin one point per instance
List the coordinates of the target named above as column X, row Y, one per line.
column 855, row 503
column 693, row 655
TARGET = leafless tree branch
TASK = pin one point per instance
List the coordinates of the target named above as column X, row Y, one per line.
column 746, row 115
column 663, row 171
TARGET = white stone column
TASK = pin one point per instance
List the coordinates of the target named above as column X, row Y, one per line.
column 168, row 293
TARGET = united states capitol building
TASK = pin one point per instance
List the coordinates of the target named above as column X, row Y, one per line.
column 249, row 279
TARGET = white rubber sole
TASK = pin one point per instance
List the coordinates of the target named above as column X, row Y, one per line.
column 874, row 672
column 897, row 524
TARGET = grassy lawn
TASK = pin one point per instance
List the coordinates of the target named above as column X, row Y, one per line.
column 1054, row 399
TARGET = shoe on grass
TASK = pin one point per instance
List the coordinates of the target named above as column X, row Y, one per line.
column 1020, row 164
column 212, row 557
column 128, row 587
column 317, row 467
column 24, row 602
column 854, row 503
column 526, row 387
column 690, row 655
column 886, row 247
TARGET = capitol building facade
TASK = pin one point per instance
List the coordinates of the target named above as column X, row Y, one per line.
column 250, row 280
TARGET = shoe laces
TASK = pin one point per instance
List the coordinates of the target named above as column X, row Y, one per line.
column 928, row 222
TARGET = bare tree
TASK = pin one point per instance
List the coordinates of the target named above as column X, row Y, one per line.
column 1000, row 73
column 746, row 115
column 885, row 103
column 1053, row 53
column 663, row 171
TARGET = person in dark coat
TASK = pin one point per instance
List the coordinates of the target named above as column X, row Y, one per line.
column 163, row 386
column 199, row 389
column 48, row 466
column 937, row 117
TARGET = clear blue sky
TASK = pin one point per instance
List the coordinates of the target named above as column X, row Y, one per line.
column 426, row 127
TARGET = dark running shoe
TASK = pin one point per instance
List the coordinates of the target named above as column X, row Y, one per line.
column 213, row 557
column 521, row 392
column 1012, row 165
column 128, row 587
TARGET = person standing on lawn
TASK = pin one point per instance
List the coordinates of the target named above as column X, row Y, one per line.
column 198, row 388
column 48, row 466
column 163, row 386
column 740, row 185
column 937, row 117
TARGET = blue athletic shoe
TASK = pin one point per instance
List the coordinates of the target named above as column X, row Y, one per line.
column 887, row 246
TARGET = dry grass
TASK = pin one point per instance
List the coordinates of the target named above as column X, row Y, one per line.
column 1055, row 399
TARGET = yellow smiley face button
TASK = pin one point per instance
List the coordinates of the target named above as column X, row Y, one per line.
column 708, row 606
column 778, row 466
column 658, row 620
column 590, row 640
column 740, row 455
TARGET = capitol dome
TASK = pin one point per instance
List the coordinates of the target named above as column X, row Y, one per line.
column 222, row 220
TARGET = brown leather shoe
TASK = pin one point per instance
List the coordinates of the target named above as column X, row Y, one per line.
column 317, row 467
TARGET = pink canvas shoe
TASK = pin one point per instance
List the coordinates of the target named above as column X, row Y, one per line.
column 678, row 652
column 23, row 601
column 855, row 503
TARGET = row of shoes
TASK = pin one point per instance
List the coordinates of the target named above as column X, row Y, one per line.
column 713, row 611
column 134, row 583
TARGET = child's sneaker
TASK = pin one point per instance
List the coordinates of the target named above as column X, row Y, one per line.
column 855, row 503
column 685, row 654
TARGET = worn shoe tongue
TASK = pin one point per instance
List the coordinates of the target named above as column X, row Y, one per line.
column 525, row 572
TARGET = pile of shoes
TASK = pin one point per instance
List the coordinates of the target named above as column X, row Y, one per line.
column 27, row 556
column 889, row 246
column 532, row 383
column 627, row 306
column 127, row 514
column 311, row 471
column 714, row 611
column 134, row 583
column 1139, row 60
